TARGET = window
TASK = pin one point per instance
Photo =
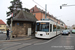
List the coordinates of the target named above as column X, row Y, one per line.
column 54, row 27
column 42, row 27
column 17, row 23
column 58, row 28
column 0, row 25
column 4, row 26
column 32, row 10
column 50, row 27
column 34, row 14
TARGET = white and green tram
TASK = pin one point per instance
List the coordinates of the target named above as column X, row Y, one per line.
column 47, row 29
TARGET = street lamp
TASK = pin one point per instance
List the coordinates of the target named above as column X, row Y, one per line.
column 65, row 5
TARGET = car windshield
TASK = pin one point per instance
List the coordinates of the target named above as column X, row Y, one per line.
column 65, row 31
column 42, row 27
column 73, row 30
column 68, row 30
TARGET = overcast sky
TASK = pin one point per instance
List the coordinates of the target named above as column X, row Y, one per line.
column 66, row 14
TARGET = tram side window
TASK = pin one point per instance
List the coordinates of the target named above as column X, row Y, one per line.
column 54, row 27
column 50, row 27
column 58, row 28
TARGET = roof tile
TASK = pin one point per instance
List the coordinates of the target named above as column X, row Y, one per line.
column 1, row 22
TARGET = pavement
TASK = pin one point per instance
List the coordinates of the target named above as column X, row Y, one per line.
column 17, row 39
column 14, row 43
column 17, row 43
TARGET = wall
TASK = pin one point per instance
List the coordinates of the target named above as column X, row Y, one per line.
column 3, row 28
column 20, row 31
column 38, row 15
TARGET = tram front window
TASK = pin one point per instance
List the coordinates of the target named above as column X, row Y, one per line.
column 42, row 27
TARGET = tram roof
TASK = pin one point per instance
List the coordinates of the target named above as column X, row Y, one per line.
column 46, row 20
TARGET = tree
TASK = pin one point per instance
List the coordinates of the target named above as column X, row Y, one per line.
column 73, row 27
column 14, row 8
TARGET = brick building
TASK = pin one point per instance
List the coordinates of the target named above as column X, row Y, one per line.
column 40, row 14
column 21, row 22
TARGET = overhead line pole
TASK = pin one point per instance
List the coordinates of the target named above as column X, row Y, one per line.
column 45, row 10
column 42, row 7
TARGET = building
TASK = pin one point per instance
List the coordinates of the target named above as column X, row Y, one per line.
column 73, row 26
column 21, row 22
column 40, row 14
column 2, row 26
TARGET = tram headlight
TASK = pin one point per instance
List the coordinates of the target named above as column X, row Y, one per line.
column 47, row 33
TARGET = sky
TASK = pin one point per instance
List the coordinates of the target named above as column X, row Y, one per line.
column 66, row 14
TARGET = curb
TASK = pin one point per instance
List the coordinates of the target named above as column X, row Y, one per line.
column 14, row 40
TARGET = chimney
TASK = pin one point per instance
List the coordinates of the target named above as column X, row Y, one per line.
column 35, row 5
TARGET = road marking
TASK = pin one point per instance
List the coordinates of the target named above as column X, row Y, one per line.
column 47, row 41
column 67, row 36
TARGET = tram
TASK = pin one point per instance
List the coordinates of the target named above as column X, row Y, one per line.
column 46, row 29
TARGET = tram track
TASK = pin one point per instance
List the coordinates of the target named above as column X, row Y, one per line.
column 20, row 44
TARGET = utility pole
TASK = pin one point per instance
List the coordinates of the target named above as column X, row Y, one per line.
column 42, row 7
column 45, row 10
column 56, row 27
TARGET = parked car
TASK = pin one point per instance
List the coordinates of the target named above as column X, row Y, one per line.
column 1, row 32
column 68, row 31
column 65, row 32
column 73, row 31
column 4, row 32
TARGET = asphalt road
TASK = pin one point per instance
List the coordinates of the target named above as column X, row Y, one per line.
column 62, row 42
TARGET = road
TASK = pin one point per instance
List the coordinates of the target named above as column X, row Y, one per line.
column 58, row 43
column 61, row 42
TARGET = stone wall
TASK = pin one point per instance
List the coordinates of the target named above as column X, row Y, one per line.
column 20, row 30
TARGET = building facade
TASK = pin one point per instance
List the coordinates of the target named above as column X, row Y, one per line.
column 2, row 26
column 21, row 22
column 40, row 14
